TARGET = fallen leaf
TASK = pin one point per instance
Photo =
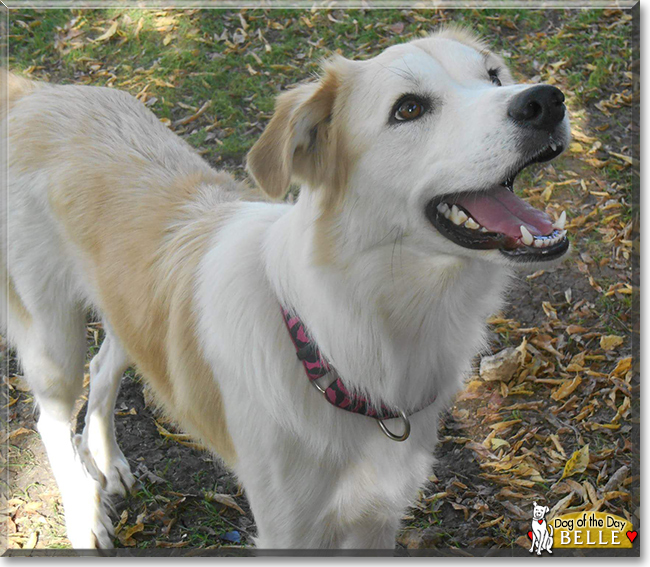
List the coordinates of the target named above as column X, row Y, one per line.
column 496, row 443
column 610, row 342
column 561, row 506
column 616, row 479
column 523, row 541
column 126, row 537
column 565, row 389
column 577, row 463
column 31, row 541
column 224, row 499
column 622, row 366
column 504, row 424
column 575, row 329
column 16, row 433
column 108, row 34
column 490, row 523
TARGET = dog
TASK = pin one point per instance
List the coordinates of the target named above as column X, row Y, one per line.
column 311, row 346
column 541, row 535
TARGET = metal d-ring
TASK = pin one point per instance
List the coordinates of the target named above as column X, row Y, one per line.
column 388, row 433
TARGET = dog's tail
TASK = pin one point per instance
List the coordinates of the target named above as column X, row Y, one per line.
column 12, row 88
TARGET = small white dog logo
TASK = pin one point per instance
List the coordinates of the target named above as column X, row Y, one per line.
column 539, row 533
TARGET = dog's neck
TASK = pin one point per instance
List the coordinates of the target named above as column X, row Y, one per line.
column 400, row 326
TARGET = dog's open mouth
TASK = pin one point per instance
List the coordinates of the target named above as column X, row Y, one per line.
column 497, row 219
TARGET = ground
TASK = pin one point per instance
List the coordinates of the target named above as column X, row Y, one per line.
column 563, row 430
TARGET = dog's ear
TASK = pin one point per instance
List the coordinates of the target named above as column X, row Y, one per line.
column 301, row 140
column 546, row 509
column 534, row 504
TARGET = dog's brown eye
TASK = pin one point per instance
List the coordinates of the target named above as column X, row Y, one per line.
column 494, row 77
column 409, row 110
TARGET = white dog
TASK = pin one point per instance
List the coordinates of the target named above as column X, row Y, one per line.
column 377, row 282
column 541, row 536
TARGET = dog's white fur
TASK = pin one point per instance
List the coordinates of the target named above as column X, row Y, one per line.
column 541, row 536
column 109, row 209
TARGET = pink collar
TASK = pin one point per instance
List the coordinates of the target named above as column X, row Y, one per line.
column 335, row 392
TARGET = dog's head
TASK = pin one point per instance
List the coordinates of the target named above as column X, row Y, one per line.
column 423, row 141
column 539, row 511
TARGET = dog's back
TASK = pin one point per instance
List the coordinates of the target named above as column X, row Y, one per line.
column 111, row 209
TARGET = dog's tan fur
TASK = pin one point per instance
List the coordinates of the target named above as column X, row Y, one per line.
column 144, row 283
column 306, row 139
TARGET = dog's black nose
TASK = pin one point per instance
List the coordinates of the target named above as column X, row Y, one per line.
column 541, row 107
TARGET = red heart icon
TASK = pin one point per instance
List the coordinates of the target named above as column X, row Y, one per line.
column 540, row 521
column 530, row 535
column 632, row 535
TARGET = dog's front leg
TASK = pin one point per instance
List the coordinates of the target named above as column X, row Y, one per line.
column 53, row 361
column 290, row 493
column 98, row 446
column 372, row 532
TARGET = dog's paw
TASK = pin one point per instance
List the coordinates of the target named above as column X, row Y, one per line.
column 87, row 515
column 90, row 530
column 107, row 465
column 119, row 479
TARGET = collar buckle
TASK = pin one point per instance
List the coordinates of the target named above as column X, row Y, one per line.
column 388, row 433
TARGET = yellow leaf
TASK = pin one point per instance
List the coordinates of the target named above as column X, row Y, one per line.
column 168, row 39
column 496, row 443
column 109, row 33
column 577, row 463
column 612, row 426
column 138, row 27
column 574, row 329
column 546, row 194
column 610, row 342
column 591, row 491
column 550, row 311
column 31, row 542
column 16, row 433
column 565, row 389
column 623, row 366
column 491, row 523
column 504, row 424
column 126, row 538
column 224, row 499
column 581, row 136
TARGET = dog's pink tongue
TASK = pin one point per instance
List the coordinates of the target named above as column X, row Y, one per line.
column 500, row 210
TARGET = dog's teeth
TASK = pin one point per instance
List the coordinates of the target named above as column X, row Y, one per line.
column 559, row 223
column 553, row 146
column 443, row 207
column 539, row 243
column 447, row 213
column 471, row 223
column 457, row 216
column 526, row 236
column 483, row 229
